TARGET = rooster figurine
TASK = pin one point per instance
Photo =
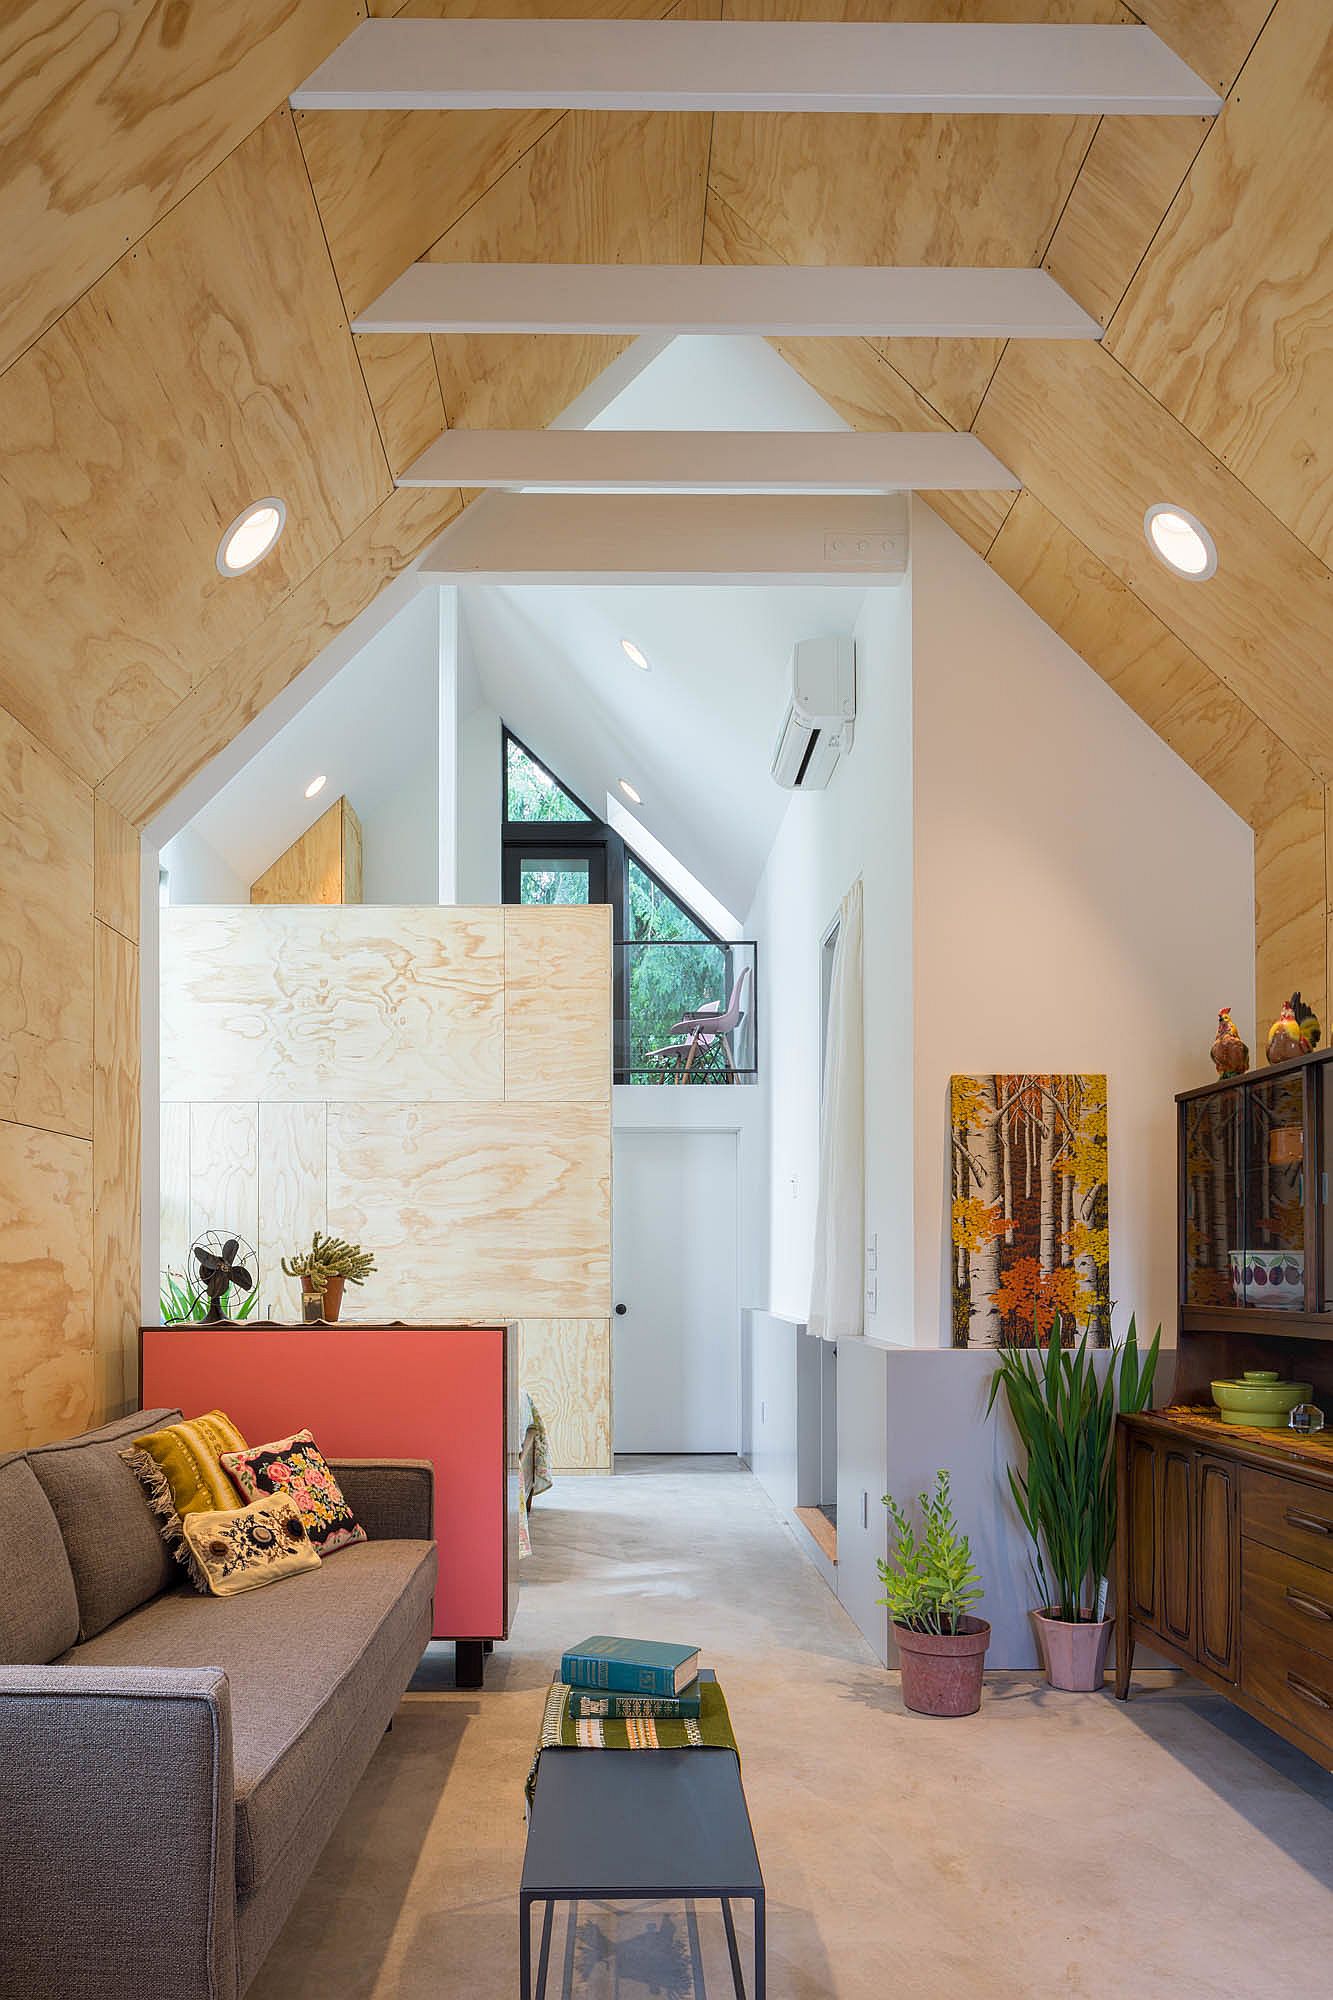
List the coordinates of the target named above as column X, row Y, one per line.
column 1308, row 1022
column 1284, row 1037
column 1230, row 1055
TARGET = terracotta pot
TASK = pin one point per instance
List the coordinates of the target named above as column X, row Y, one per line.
column 333, row 1297
column 1074, row 1652
column 942, row 1670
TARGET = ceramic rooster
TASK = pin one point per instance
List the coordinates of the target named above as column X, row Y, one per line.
column 1231, row 1057
column 1284, row 1037
column 1308, row 1022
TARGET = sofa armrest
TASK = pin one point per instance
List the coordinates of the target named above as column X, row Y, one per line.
column 117, row 1833
column 393, row 1498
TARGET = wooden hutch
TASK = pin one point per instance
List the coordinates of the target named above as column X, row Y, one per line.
column 1225, row 1556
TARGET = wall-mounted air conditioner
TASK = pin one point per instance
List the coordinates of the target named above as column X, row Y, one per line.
column 821, row 715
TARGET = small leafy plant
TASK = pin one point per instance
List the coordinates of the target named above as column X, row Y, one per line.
column 329, row 1257
column 930, row 1581
column 1065, row 1493
column 181, row 1299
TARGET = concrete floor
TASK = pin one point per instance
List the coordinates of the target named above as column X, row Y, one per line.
column 1054, row 1844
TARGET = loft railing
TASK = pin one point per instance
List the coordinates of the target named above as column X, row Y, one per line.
column 668, row 992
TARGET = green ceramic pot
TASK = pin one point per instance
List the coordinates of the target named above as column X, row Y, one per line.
column 1259, row 1399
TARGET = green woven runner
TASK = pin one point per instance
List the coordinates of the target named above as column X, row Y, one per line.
column 711, row 1730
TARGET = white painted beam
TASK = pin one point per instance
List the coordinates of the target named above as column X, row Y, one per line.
column 672, row 538
column 911, row 302
column 949, row 67
column 713, row 461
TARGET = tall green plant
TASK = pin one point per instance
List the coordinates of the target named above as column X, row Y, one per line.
column 1065, row 1493
column 930, row 1581
column 181, row 1299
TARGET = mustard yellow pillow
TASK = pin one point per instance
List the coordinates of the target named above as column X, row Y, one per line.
column 180, row 1471
column 240, row 1548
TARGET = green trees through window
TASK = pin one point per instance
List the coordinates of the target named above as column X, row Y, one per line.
column 672, row 968
column 532, row 793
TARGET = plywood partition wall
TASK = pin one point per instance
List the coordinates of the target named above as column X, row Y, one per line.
column 323, row 866
column 433, row 1083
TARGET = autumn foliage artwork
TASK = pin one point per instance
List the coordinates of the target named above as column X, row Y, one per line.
column 1030, row 1206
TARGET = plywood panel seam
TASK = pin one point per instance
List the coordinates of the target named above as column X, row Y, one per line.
column 333, row 269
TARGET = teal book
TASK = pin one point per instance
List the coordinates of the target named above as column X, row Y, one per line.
column 630, row 1666
column 588, row 1705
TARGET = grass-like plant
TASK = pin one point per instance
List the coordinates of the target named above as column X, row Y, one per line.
column 329, row 1257
column 180, row 1299
column 930, row 1581
column 1065, row 1492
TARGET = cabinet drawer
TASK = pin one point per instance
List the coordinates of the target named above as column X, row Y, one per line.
column 1289, row 1515
column 1293, row 1682
column 1291, row 1598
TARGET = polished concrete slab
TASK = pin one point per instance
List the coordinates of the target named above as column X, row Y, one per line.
column 1167, row 1849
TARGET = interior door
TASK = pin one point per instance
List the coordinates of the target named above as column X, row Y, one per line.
column 676, row 1334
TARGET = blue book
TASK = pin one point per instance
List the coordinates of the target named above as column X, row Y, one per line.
column 630, row 1666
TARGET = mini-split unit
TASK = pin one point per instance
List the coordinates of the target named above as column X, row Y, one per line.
column 821, row 715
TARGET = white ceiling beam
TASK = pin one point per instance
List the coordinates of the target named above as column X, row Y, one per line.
column 713, row 461
column 471, row 65
column 908, row 302
column 672, row 538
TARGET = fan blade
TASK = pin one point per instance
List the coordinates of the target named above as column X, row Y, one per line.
column 229, row 1249
column 241, row 1277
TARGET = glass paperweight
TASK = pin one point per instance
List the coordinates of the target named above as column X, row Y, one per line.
column 1306, row 1418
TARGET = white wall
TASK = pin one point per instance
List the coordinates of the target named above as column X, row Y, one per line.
column 861, row 825
column 1084, row 902
column 197, row 873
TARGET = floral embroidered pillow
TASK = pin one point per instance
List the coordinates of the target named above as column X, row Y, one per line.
column 243, row 1547
column 297, row 1467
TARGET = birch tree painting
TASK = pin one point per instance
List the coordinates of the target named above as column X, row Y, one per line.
column 1030, row 1208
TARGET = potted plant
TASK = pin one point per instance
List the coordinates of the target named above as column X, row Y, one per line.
column 929, row 1583
column 1065, row 1493
column 325, row 1269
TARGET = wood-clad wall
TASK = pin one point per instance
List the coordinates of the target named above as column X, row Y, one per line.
column 323, row 866
column 181, row 258
column 433, row 1083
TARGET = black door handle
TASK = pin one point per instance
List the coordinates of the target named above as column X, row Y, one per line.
column 621, row 1311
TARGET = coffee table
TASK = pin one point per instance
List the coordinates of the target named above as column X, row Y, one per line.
column 641, row 1826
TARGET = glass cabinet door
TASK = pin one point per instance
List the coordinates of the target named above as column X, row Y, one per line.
column 1211, row 1168
column 1273, row 1267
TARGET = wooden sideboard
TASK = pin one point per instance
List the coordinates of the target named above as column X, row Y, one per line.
column 447, row 1393
column 1224, row 1559
column 1225, row 1565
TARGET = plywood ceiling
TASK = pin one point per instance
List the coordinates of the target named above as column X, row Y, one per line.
column 183, row 255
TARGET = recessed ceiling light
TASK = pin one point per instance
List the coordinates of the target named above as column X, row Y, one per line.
column 629, row 791
column 633, row 654
column 251, row 536
column 316, row 785
column 1180, row 540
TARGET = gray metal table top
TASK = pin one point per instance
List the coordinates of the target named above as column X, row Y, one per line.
column 661, row 1823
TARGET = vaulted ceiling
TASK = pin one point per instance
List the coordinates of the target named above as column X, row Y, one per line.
column 183, row 255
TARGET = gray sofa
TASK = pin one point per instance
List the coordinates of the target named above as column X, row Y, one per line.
column 171, row 1765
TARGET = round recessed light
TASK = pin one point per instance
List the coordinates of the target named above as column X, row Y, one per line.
column 1180, row 540
column 316, row 785
column 629, row 791
column 634, row 655
column 251, row 536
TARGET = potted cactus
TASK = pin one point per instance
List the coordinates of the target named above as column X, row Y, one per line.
column 930, row 1583
column 325, row 1269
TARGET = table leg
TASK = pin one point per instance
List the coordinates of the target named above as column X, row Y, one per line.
column 525, row 1947
column 760, row 1950
column 544, row 1956
column 737, row 1975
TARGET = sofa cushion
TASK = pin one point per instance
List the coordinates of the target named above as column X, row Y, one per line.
column 305, row 1661
column 114, row 1544
column 39, row 1612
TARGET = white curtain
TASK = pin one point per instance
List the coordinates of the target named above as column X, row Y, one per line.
column 837, row 1286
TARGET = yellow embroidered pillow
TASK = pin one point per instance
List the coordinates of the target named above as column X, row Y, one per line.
column 240, row 1548
column 179, row 1469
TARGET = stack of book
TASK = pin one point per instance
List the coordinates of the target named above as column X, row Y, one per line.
column 610, row 1677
